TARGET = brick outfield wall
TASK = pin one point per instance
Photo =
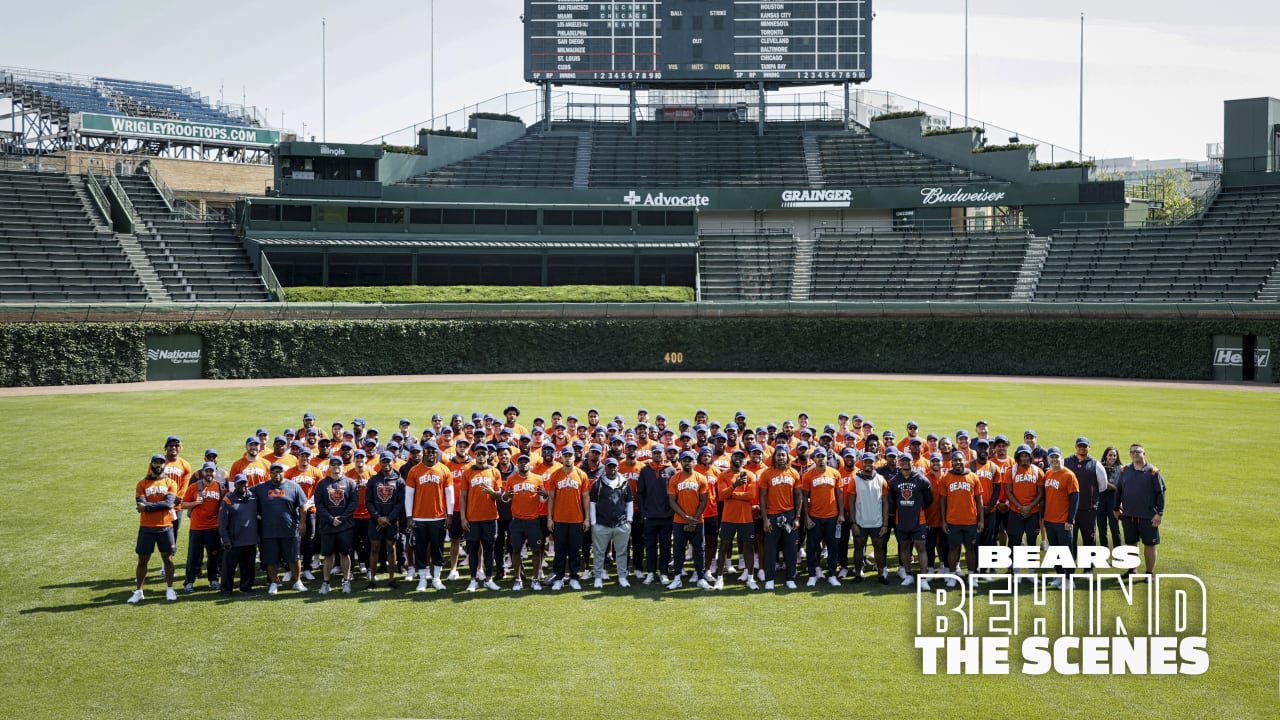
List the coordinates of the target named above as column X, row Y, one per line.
column 189, row 179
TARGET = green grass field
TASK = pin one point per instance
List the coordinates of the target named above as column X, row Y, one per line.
column 73, row 648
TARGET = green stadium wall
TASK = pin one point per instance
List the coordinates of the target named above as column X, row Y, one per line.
column 111, row 352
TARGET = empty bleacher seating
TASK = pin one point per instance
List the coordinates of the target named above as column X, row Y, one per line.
column 747, row 266
column 889, row 266
column 1226, row 255
column 170, row 100
column 857, row 158
column 197, row 261
column 538, row 159
column 50, row 250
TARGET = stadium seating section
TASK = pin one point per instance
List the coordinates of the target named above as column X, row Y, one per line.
column 696, row 154
column 1227, row 254
column 747, row 266
column 50, row 249
column 58, row 98
column 148, row 99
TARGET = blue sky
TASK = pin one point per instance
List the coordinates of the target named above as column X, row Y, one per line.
column 1156, row 73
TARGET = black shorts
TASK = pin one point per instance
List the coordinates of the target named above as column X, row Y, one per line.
column 1139, row 529
column 455, row 526
column 527, row 531
column 917, row 535
column 336, row 542
column 390, row 533
column 149, row 539
column 962, row 535
column 279, row 550
column 744, row 532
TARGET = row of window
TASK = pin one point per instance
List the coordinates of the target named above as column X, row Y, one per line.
column 263, row 212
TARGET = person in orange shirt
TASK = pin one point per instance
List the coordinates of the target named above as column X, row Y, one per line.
column 1024, row 489
column 567, row 504
column 705, row 466
column 1000, row 518
column 524, row 490
column 823, row 510
column 992, row 489
column 481, row 489
column 687, row 494
column 737, row 487
column 201, row 499
column 253, row 466
column 428, row 501
column 307, row 476
column 961, row 500
column 155, row 496
column 913, row 431
column 937, row 546
column 178, row 469
column 629, row 466
column 360, row 472
column 1061, row 502
column 280, row 453
column 457, row 463
column 779, row 498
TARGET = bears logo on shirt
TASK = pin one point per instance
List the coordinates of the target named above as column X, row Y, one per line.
column 906, row 492
column 385, row 493
column 337, row 494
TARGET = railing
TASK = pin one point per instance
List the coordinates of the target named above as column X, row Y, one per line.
column 36, row 163
column 269, row 277
column 163, row 188
column 1260, row 163
column 99, row 197
column 123, row 197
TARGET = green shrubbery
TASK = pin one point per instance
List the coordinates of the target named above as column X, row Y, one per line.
column 489, row 294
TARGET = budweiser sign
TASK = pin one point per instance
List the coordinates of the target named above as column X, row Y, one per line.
column 936, row 195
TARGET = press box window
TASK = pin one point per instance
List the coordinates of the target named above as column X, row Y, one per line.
column 360, row 215
column 391, row 216
column 424, row 216
column 457, row 216
column 295, row 213
column 491, row 217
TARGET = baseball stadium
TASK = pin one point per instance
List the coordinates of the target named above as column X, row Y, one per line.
column 697, row 234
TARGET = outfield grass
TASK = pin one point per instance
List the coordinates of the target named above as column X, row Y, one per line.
column 491, row 294
column 75, row 649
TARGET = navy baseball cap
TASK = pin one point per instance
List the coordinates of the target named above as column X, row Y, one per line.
column 917, row 440
column 437, row 416
column 611, row 461
column 738, row 451
column 1022, row 449
column 386, row 457
column 361, row 453
column 912, row 424
column 1028, row 432
column 632, row 444
column 567, row 452
column 252, row 440
column 935, row 456
column 211, row 451
column 848, row 452
column 867, row 457
column 1055, row 451
column 957, row 454
column 820, row 452
column 172, row 439
column 335, row 460
column 308, row 416
column 548, row 446
column 595, row 447
column 980, row 443
column 240, row 478
column 406, row 421
column 905, row 458
column 502, row 446
column 279, row 439
column 358, row 421
column 1001, row 439
column 688, row 454
column 156, row 457
column 891, row 450
column 431, row 445
column 346, row 446
column 1082, row 441
column 663, row 418
column 277, row 465
column 962, row 434
column 304, row 451
column 262, row 431
column 755, row 447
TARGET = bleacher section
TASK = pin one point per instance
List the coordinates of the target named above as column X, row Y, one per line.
column 746, row 266
column 537, row 159
column 697, row 154
column 853, row 159
column 1226, row 255
column 149, row 99
column 892, row 266
column 197, row 261
column 50, row 250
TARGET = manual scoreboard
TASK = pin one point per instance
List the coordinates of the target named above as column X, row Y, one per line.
column 698, row 42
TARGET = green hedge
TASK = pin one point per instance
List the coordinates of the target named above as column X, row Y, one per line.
column 42, row 354
column 486, row 294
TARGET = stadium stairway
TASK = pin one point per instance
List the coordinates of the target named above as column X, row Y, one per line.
column 196, row 260
column 1270, row 290
column 746, row 266
column 53, row 250
column 1024, row 290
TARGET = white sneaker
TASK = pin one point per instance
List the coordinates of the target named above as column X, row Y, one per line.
column 453, row 575
column 906, row 582
column 714, row 566
column 719, row 583
column 517, row 586
column 648, row 578
column 491, row 585
column 924, row 585
column 791, row 584
column 638, row 573
column 306, row 575
column 297, row 585
column 408, row 573
column 335, row 571
column 664, row 579
column 623, row 582
column 812, row 582
column 751, row 584
column 437, row 583
column 536, row 585
column 768, row 585
column 951, row 581
column 346, row 587
column 675, row 584
column 272, row 589
column 745, row 576
column 557, row 584
column 288, row 576
column 189, row 588
column 844, row 573
column 422, row 584
column 599, row 583
column 902, row 573
column 475, row 584
column 170, row 595
column 315, row 563
column 1056, row 583
column 324, row 588
column 833, row 581
column 704, row 585
column 573, row 583
column 760, row 574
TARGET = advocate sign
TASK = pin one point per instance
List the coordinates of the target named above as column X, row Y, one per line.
column 179, row 130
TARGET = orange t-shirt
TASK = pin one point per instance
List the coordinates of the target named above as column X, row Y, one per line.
column 525, row 501
column 481, row 506
column 544, row 470
column 257, row 471
column 737, row 503
column 1058, row 486
column 205, row 515
column 362, row 481
column 429, row 484
column 154, row 491
column 933, row 513
column 822, row 486
column 286, row 460
column 963, row 493
column 688, row 489
column 778, row 488
column 307, row 477
column 456, row 468
column 180, row 471
column 989, row 476
column 709, row 472
column 1023, row 483
column 569, row 485
column 630, row 469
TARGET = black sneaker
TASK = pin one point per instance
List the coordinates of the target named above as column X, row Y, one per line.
column 393, row 584
column 373, row 584
column 857, row 578
column 884, row 579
